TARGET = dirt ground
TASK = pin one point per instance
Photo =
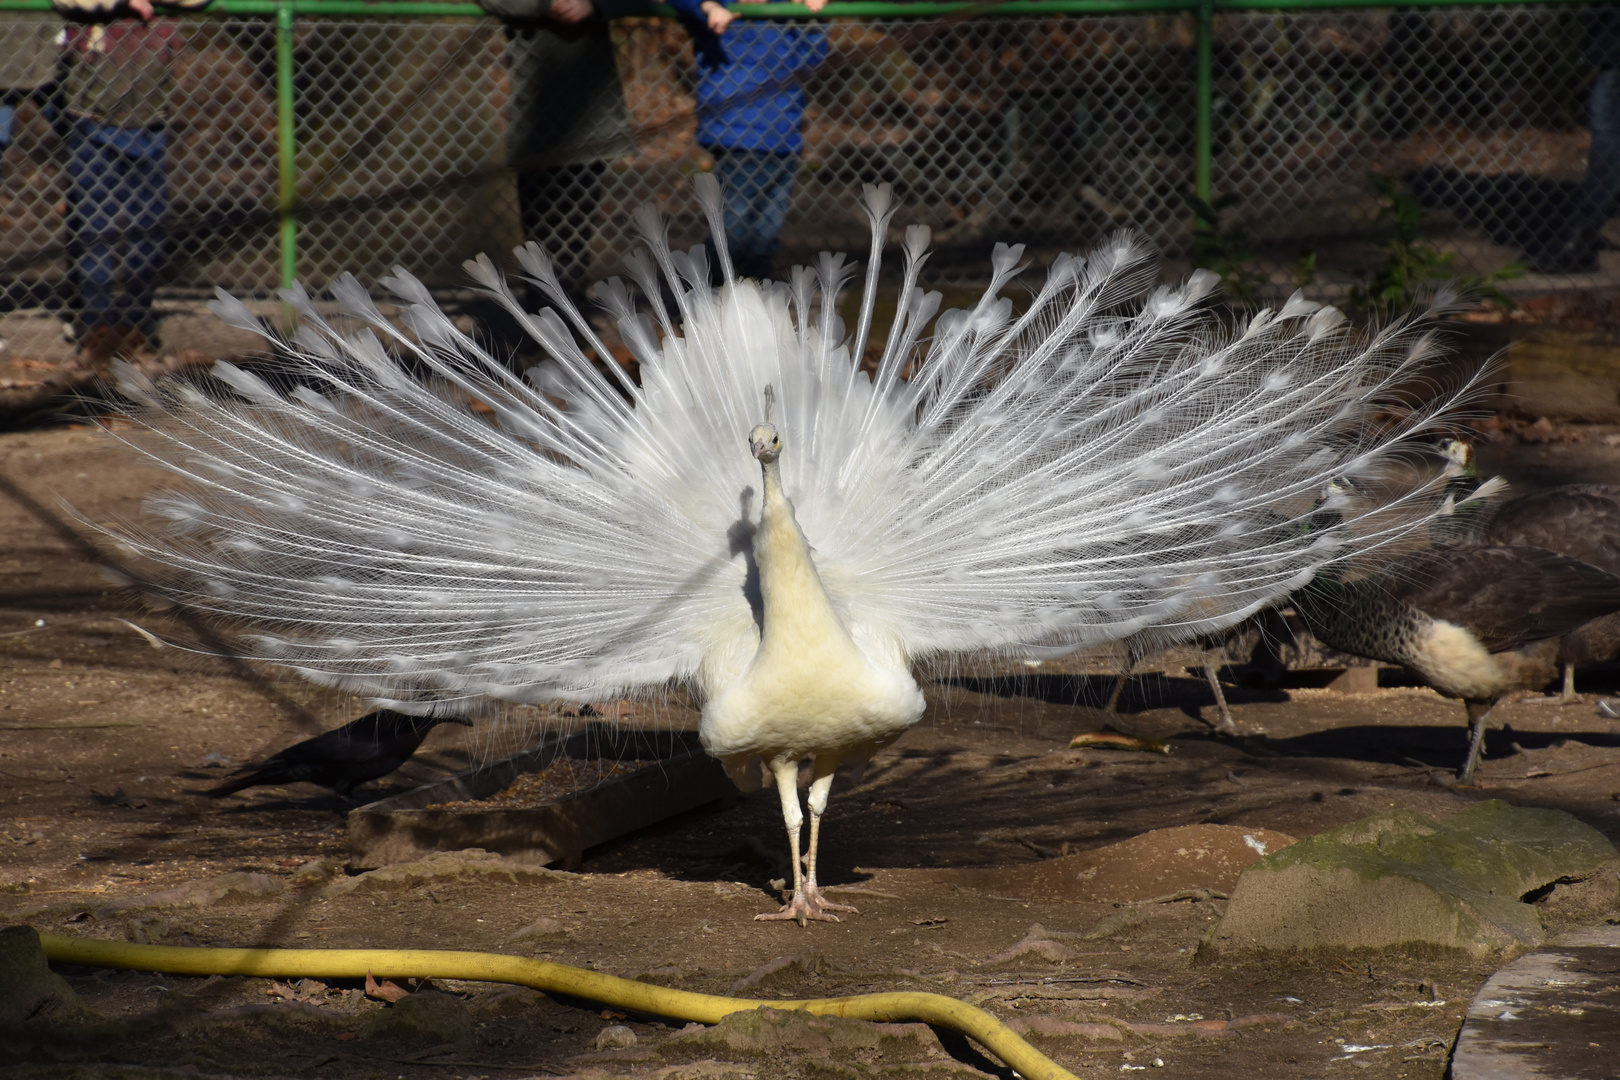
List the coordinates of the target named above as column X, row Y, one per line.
column 104, row 741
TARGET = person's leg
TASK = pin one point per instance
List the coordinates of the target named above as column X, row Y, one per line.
column 557, row 206
column 1576, row 248
column 771, row 205
column 733, row 168
column 92, row 209
column 145, row 248
column 755, row 206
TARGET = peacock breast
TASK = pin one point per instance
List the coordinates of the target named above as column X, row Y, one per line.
column 803, row 710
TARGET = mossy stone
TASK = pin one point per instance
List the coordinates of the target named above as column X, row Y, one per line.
column 1402, row 880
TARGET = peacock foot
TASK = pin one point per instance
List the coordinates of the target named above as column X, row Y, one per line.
column 819, row 899
column 806, row 906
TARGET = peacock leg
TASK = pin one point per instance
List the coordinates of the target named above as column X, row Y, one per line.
column 820, row 788
column 798, row 909
column 1478, row 711
column 1112, row 705
column 1227, row 726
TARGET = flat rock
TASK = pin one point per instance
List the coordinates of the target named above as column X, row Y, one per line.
column 1152, row 864
column 1402, row 880
column 1552, row 1014
column 426, row 1016
column 203, row 892
column 442, row 865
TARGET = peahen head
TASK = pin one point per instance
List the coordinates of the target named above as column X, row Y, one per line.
column 1459, row 456
column 764, row 443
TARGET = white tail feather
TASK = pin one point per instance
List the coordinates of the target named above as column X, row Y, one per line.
column 1030, row 484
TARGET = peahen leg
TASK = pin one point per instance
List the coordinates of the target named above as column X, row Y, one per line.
column 1565, row 696
column 820, row 788
column 798, row 909
column 1478, row 712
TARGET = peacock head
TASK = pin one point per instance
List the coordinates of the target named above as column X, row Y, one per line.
column 764, row 443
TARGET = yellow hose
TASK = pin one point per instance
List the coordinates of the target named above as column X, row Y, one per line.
column 550, row 978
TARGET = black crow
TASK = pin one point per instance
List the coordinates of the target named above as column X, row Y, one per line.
column 364, row 749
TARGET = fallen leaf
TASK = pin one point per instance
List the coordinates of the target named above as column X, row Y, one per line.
column 385, row 991
column 1113, row 740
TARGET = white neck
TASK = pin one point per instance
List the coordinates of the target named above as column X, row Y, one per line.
column 798, row 614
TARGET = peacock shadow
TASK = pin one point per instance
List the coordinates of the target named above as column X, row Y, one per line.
column 740, row 538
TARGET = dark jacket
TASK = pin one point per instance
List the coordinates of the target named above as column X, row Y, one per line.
column 567, row 104
column 750, row 92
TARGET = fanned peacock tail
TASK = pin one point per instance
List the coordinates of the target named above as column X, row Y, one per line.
column 1112, row 462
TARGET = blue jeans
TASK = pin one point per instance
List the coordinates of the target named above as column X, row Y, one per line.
column 758, row 185
column 118, row 203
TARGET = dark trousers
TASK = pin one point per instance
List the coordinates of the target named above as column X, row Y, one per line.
column 557, row 207
column 1594, row 204
column 758, row 187
column 118, row 203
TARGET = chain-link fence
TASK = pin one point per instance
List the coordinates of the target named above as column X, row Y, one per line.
column 1048, row 131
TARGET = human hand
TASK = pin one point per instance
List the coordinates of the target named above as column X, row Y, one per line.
column 143, row 8
column 563, row 11
column 815, row 5
column 719, row 16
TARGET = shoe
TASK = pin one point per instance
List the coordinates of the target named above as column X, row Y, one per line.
column 102, row 343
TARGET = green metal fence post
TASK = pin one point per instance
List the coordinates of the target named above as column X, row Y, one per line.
column 286, row 143
column 1206, row 74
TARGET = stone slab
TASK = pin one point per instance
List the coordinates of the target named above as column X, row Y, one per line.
column 404, row 828
column 1552, row 1014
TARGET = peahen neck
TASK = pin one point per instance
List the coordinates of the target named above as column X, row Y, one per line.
column 1351, row 617
column 798, row 616
column 1358, row 617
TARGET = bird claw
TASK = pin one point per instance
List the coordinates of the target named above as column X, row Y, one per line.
column 819, row 899
column 806, row 906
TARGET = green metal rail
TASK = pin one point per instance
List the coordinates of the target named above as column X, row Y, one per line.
column 287, row 11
